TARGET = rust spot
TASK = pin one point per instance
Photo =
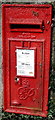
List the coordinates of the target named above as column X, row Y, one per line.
column 35, row 13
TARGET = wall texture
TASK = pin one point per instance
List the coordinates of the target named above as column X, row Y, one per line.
column 27, row 1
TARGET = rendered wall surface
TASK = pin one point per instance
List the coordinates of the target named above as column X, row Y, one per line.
column 27, row 1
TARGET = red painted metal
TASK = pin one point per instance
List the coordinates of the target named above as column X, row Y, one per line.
column 27, row 28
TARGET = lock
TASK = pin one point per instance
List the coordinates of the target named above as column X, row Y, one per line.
column 16, row 79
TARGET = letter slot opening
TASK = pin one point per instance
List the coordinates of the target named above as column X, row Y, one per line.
column 22, row 26
column 26, row 28
column 26, row 25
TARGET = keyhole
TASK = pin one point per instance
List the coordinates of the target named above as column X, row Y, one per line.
column 16, row 79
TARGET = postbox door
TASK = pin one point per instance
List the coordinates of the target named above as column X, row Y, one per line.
column 26, row 73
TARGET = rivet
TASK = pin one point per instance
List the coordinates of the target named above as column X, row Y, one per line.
column 48, row 22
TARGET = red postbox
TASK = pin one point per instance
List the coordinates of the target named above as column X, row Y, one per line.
column 26, row 57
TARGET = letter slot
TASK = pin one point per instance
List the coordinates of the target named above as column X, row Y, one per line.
column 26, row 25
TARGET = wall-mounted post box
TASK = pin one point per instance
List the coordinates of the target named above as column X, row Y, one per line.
column 26, row 57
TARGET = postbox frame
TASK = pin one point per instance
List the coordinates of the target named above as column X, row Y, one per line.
column 6, row 82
